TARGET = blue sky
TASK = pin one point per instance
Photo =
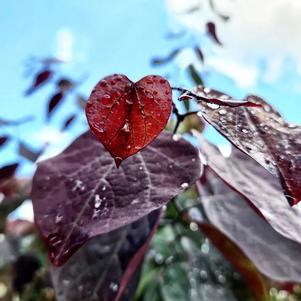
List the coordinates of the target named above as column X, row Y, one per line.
column 99, row 38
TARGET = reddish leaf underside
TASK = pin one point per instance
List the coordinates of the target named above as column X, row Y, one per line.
column 127, row 116
column 80, row 193
column 273, row 254
column 258, row 186
column 264, row 135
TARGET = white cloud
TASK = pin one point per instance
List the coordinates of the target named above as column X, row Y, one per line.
column 49, row 135
column 57, row 141
column 258, row 31
column 64, row 47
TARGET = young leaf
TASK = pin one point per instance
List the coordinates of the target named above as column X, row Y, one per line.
column 273, row 254
column 258, row 186
column 80, row 193
column 194, row 75
column 40, row 79
column 211, row 30
column 262, row 133
column 105, row 267
column 127, row 116
column 54, row 101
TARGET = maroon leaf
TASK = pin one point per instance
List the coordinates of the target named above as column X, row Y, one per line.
column 211, row 30
column 54, row 101
column 68, row 122
column 8, row 171
column 3, row 140
column 40, row 79
column 274, row 255
column 127, row 116
column 258, row 186
column 80, row 193
column 107, row 264
column 264, row 135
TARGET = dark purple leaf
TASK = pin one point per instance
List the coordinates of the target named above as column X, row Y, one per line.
column 68, row 122
column 274, row 255
column 103, row 269
column 40, row 79
column 211, row 31
column 80, row 193
column 262, row 134
column 54, row 101
column 8, row 171
column 26, row 152
column 3, row 140
column 258, row 186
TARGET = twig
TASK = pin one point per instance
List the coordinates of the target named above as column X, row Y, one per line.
column 180, row 117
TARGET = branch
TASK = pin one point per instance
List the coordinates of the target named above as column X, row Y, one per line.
column 187, row 94
column 180, row 117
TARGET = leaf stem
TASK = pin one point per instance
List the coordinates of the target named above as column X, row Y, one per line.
column 180, row 117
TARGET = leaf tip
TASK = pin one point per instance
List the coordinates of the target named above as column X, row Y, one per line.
column 118, row 161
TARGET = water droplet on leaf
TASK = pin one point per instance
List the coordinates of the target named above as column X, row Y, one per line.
column 184, row 185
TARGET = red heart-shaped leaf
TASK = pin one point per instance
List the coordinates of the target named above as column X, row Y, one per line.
column 127, row 116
